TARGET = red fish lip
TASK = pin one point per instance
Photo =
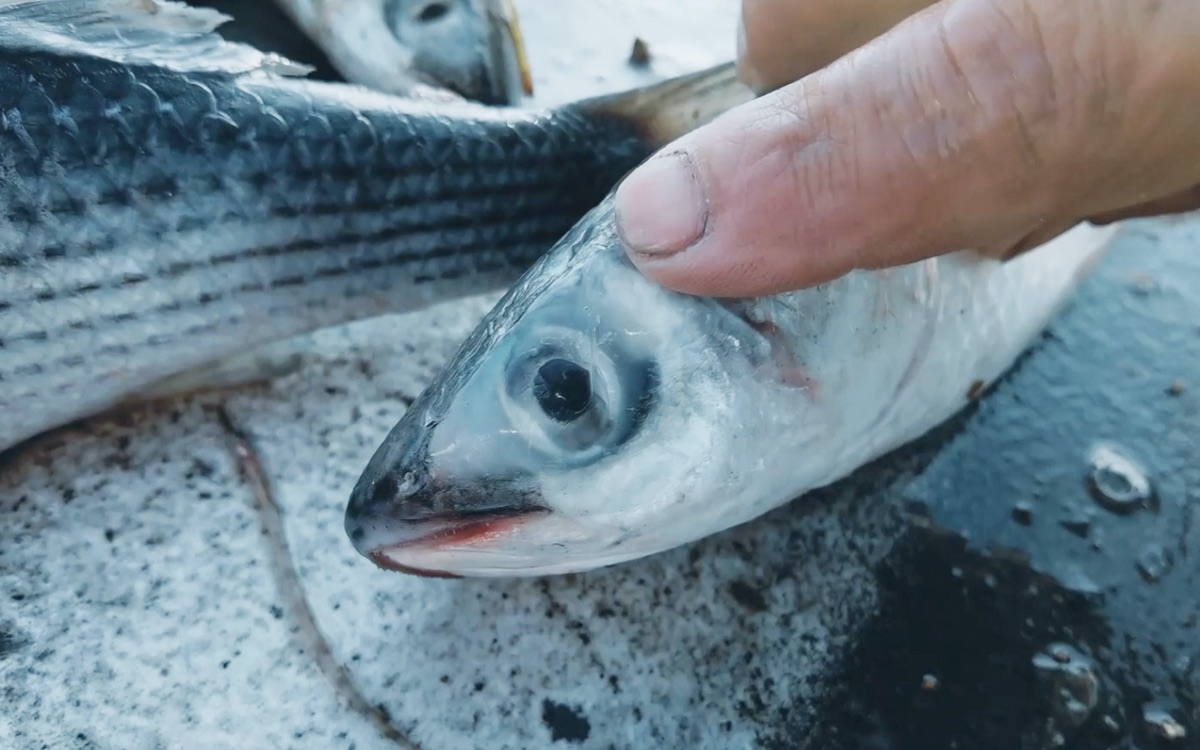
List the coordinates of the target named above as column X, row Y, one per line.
column 380, row 558
column 460, row 531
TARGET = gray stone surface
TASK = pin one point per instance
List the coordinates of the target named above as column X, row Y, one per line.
column 142, row 603
column 140, row 609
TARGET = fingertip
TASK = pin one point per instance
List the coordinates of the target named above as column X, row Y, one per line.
column 661, row 207
column 699, row 274
column 725, row 213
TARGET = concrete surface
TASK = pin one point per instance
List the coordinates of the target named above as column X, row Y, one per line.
column 142, row 603
column 140, row 608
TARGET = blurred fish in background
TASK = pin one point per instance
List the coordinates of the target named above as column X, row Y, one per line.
column 471, row 48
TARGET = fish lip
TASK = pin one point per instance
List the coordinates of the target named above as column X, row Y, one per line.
column 380, row 558
column 435, row 530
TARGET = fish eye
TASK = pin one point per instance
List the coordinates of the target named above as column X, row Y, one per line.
column 398, row 13
column 563, row 389
column 565, row 397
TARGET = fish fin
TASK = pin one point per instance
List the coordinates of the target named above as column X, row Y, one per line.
column 668, row 109
column 158, row 33
column 261, row 364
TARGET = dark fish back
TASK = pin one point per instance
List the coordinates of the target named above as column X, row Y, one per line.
column 152, row 147
column 153, row 221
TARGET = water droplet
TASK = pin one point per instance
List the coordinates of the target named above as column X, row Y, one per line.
column 1074, row 579
column 1077, row 711
column 1143, row 284
column 1117, row 483
column 1022, row 513
column 1155, row 562
column 1074, row 683
column 1183, row 665
column 1160, row 723
column 1078, row 524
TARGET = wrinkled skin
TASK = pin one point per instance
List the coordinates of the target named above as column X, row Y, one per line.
column 897, row 130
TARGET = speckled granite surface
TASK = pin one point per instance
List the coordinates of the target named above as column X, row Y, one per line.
column 141, row 605
column 142, row 611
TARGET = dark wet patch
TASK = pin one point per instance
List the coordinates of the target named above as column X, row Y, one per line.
column 976, row 390
column 1022, row 513
column 9, row 642
column 748, row 596
column 977, row 625
column 1067, row 633
column 639, row 55
column 565, row 722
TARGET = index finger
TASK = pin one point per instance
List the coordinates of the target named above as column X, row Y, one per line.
column 781, row 41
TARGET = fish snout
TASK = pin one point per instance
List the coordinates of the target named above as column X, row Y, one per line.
column 381, row 502
column 393, row 515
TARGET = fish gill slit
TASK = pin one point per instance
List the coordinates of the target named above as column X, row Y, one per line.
column 929, row 278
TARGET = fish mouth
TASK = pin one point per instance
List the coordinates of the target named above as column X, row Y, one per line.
column 407, row 539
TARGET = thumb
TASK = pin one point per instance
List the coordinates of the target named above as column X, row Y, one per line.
column 934, row 137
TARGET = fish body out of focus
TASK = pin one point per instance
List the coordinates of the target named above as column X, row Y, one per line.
column 471, row 47
column 595, row 417
column 170, row 200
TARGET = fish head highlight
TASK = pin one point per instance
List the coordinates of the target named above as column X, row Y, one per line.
column 592, row 418
column 473, row 48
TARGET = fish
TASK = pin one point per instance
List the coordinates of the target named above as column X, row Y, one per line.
column 595, row 417
column 170, row 200
column 473, row 48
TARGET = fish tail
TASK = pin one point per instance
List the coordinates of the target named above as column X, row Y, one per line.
column 666, row 110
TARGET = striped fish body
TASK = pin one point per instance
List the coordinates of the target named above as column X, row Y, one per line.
column 159, row 216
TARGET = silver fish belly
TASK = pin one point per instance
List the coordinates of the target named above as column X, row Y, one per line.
column 595, row 417
column 168, row 199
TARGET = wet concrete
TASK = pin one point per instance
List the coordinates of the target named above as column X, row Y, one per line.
column 1100, row 555
column 974, row 590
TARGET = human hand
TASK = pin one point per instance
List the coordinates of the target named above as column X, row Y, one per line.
column 985, row 124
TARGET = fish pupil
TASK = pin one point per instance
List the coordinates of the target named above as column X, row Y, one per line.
column 563, row 389
column 432, row 12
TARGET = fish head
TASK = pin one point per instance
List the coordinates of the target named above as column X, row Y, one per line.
column 593, row 417
column 471, row 47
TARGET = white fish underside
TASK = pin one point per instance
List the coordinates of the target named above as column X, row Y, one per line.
column 897, row 352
